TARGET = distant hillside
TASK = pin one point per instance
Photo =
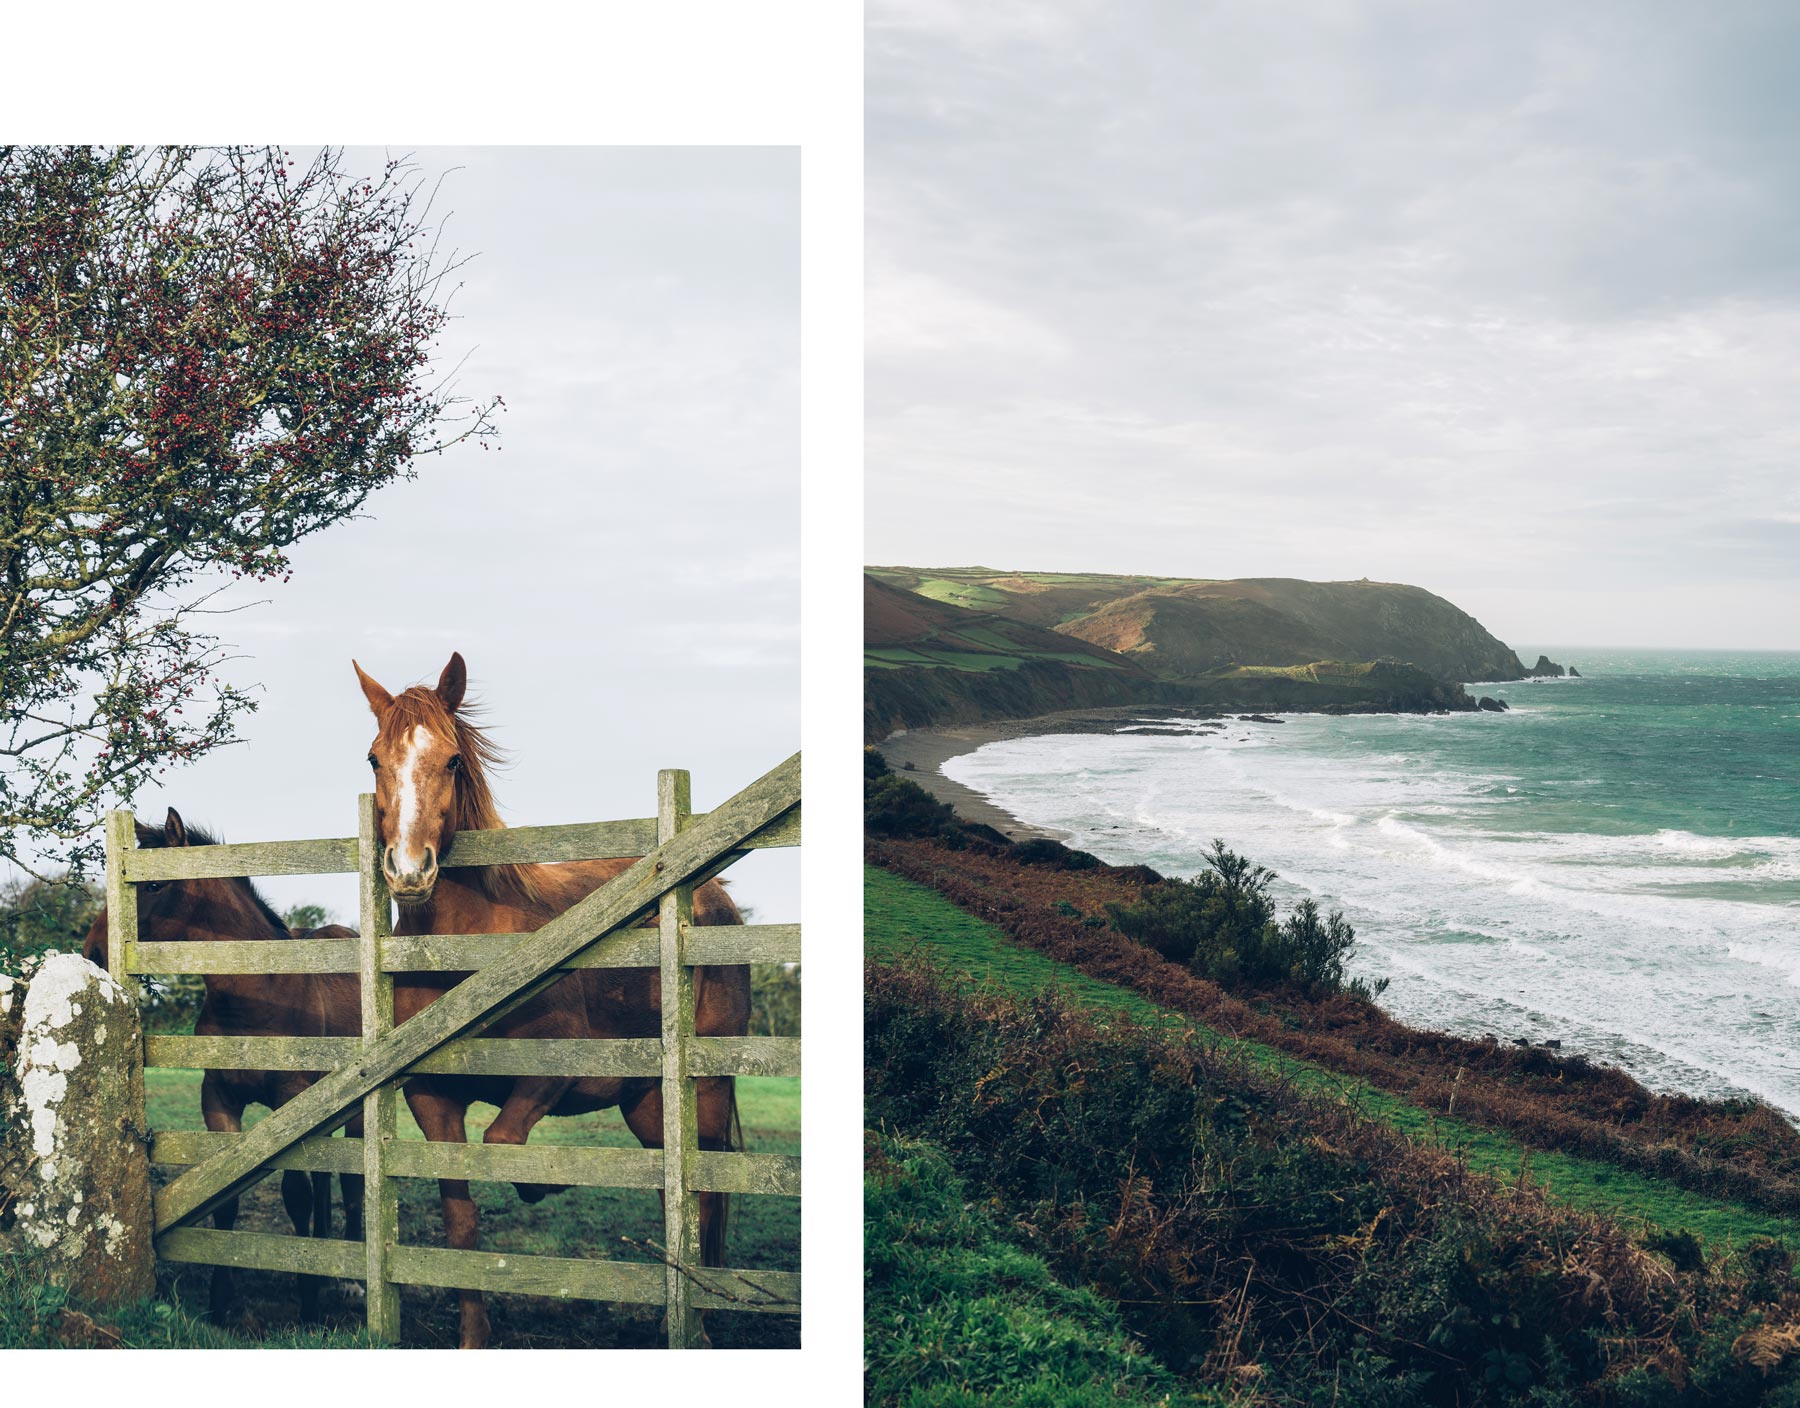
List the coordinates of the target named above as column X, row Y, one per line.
column 1187, row 629
column 928, row 663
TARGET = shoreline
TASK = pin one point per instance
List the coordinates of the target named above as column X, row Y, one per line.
column 920, row 754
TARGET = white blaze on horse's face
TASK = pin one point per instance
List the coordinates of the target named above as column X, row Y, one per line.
column 415, row 791
column 416, row 760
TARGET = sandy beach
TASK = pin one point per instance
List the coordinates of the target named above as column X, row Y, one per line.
column 920, row 755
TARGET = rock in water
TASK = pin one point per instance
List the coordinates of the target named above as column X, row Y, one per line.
column 1545, row 669
column 74, row 1172
column 1488, row 704
column 1574, row 674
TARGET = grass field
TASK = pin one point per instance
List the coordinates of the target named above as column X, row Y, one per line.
column 900, row 916
column 957, row 1315
column 765, row 1234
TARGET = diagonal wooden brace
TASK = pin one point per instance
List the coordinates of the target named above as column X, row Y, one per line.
column 476, row 1000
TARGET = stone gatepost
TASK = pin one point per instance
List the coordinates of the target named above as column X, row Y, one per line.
column 74, row 1172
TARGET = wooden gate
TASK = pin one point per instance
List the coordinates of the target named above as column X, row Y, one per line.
column 679, row 850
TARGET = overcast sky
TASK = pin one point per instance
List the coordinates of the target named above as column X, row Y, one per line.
column 623, row 576
column 1501, row 300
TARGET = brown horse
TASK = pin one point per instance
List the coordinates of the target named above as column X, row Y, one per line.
column 251, row 1004
column 431, row 764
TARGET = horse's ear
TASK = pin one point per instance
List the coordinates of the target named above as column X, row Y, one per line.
column 174, row 829
column 147, row 835
column 453, row 681
column 380, row 701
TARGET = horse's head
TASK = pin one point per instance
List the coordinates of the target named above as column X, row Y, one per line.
column 176, row 911
column 417, row 755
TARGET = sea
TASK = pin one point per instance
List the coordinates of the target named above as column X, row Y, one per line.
column 1614, row 863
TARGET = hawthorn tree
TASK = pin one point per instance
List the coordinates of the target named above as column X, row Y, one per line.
column 205, row 356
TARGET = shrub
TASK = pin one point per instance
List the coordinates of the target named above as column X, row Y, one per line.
column 893, row 806
column 1214, row 924
column 1222, row 926
column 1041, row 850
column 1311, row 950
column 1254, row 1234
column 774, row 999
column 957, row 1317
column 42, row 916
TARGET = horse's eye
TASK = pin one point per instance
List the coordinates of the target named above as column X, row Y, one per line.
column 455, row 763
column 151, row 886
column 373, row 763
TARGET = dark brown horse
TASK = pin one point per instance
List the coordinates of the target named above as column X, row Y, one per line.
column 251, row 1004
column 431, row 781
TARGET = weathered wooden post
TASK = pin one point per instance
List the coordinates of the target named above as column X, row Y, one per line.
column 381, row 1201
column 121, row 896
column 681, row 1211
column 74, row 1172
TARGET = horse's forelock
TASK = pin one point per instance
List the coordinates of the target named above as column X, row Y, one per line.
column 474, row 808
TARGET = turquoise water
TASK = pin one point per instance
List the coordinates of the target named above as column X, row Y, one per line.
column 1614, row 863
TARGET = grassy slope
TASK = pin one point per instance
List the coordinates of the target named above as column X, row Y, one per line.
column 899, row 915
column 956, row 1316
column 765, row 1231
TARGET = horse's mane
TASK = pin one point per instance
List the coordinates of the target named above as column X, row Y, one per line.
column 153, row 839
column 530, row 886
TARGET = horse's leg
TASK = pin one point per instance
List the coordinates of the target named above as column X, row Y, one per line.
column 531, row 1099
column 351, row 1185
column 444, row 1122
column 223, row 1115
column 297, row 1192
column 712, row 1121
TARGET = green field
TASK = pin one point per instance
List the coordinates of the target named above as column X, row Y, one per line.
column 957, row 1315
column 902, row 917
column 900, row 657
column 765, row 1234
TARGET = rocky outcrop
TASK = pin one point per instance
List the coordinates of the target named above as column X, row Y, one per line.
column 923, row 698
column 1488, row 704
column 1545, row 669
column 74, row 1174
column 1574, row 674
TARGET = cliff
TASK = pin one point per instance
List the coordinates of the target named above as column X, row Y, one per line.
column 927, row 663
column 1187, row 628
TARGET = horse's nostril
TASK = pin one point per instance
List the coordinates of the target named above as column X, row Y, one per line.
column 430, row 860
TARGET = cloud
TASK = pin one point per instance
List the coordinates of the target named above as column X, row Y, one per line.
column 1384, row 288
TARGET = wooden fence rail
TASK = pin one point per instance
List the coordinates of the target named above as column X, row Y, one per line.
column 675, row 850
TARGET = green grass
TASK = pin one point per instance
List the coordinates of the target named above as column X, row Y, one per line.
column 965, row 594
column 764, row 1233
column 977, row 662
column 901, row 916
column 955, row 1316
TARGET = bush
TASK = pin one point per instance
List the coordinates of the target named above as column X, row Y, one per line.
column 774, row 999
column 1221, row 925
column 1214, row 924
column 1311, row 951
column 956, row 1316
column 1041, row 850
column 892, row 806
column 41, row 916
column 1256, row 1235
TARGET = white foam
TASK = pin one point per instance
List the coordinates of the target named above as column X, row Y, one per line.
column 1657, row 948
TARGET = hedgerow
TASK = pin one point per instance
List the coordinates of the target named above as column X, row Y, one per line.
column 1736, row 1149
column 1263, row 1239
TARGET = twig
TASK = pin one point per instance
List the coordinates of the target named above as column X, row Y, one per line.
column 768, row 1297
